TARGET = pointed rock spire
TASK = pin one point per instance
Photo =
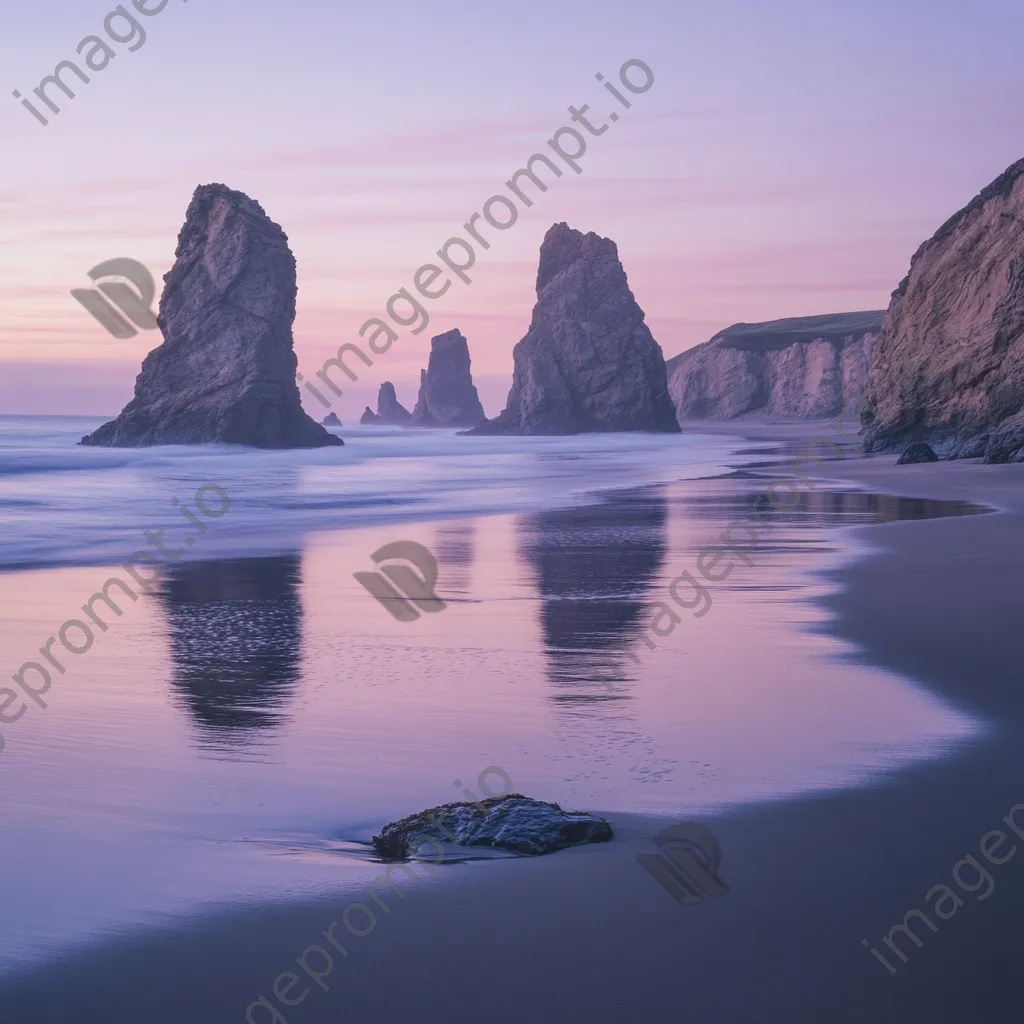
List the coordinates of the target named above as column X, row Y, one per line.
column 226, row 369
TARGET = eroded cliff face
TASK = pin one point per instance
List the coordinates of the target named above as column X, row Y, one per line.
column 949, row 370
column 800, row 368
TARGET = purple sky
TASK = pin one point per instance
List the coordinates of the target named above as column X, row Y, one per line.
column 788, row 161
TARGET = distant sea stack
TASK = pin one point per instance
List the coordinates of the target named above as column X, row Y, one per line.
column 389, row 410
column 447, row 396
column 226, row 370
column 809, row 367
column 331, row 420
column 950, row 365
column 588, row 362
column 949, row 371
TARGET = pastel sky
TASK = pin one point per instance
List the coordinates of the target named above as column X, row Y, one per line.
column 788, row 160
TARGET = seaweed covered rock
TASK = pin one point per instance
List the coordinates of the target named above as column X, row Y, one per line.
column 512, row 822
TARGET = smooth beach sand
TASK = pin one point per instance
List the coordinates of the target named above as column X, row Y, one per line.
column 587, row 935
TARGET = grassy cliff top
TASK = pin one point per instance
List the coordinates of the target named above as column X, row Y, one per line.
column 776, row 334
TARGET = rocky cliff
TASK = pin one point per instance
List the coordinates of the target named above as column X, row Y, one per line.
column 447, row 395
column 950, row 364
column 588, row 362
column 802, row 368
column 226, row 369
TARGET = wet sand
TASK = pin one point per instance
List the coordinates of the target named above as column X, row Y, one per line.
column 587, row 935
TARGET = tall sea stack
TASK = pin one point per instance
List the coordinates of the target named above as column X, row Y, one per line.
column 226, row 369
column 588, row 362
column 949, row 369
column 447, row 395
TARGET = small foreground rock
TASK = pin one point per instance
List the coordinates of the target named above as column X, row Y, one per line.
column 512, row 822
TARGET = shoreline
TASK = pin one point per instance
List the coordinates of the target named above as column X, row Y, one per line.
column 810, row 876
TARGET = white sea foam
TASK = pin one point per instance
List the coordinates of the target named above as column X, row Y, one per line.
column 63, row 504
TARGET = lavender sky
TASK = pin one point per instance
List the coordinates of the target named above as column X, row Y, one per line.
column 788, row 161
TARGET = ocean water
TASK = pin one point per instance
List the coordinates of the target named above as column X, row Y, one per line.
column 63, row 504
column 237, row 735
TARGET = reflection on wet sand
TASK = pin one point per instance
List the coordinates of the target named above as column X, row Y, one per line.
column 739, row 530
column 823, row 508
column 598, row 570
column 454, row 549
column 592, row 568
column 235, row 641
